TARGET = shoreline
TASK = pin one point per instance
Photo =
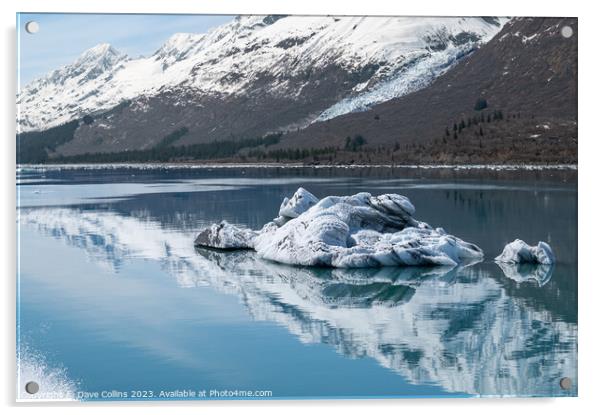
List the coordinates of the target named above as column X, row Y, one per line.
column 174, row 166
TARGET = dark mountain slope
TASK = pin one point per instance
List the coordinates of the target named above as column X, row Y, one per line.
column 147, row 120
column 528, row 71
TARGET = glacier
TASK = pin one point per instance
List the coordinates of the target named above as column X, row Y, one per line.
column 408, row 79
column 359, row 231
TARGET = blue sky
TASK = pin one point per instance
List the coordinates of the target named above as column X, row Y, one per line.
column 63, row 37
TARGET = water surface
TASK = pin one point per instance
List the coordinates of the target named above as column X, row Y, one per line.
column 114, row 297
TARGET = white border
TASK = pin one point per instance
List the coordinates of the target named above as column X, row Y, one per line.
column 590, row 133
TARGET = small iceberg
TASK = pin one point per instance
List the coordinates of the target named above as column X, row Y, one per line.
column 225, row 236
column 519, row 252
column 359, row 231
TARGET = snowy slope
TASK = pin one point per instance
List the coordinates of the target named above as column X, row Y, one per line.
column 385, row 57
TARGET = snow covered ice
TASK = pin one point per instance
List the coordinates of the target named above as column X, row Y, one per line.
column 225, row 236
column 358, row 231
column 301, row 201
column 519, row 252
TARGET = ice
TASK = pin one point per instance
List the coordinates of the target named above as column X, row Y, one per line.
column 411, row 79
column 225, row 236
column 359, row 231
column 518, row 252
column 291, row 208
column 27, row 168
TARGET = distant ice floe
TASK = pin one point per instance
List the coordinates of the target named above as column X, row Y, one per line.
column 41, row 168
column 359, row 231
column 518, row 252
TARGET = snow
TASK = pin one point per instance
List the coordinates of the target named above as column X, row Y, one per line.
column 291, row 208
column 416, row 77
column 527, row 39
column 359, row 231
column 419, row 65
column 249, row 47
column 519, row 252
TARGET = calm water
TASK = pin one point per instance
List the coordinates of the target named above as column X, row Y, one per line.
column 114, row 297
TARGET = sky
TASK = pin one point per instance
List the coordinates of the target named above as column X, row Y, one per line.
column 63, row 37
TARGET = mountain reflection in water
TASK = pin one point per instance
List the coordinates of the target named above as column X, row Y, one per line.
column 467, row 329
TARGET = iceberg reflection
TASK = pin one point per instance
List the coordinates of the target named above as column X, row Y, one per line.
column 455, row 327
column 540, row 273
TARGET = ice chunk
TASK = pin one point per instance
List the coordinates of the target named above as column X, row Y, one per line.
column 518, row 252
column 296, row 205
column 225, row 236
column 358, row 231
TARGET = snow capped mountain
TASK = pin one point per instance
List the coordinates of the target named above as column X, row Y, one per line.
column 66, row 92
column 528, row 68
column 375, row 59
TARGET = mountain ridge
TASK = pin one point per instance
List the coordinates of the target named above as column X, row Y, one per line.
column 511, row 99
column 276, row 53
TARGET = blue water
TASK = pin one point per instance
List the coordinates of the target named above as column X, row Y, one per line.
column 114, row 299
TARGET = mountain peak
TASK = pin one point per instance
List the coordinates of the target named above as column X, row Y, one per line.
column 100, row 50
column 99, row 58
column 178, row 45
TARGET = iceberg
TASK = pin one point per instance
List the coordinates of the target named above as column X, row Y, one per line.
column 519, row 252
column 359, row 231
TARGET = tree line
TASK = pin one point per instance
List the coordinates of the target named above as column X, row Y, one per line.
column 475, row 121
column 165, row 151
column 34, row 147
